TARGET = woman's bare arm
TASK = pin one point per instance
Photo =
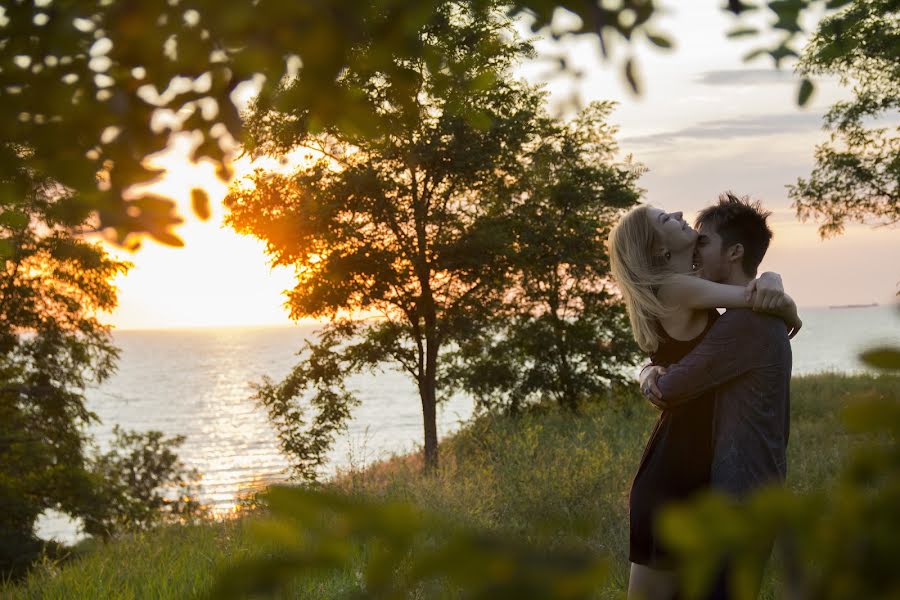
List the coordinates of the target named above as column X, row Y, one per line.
column 689, row 291
column 693, row 292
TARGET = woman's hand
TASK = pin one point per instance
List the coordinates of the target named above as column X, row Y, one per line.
column 766, row 293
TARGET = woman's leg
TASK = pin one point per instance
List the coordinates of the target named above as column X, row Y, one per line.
column 645, row 583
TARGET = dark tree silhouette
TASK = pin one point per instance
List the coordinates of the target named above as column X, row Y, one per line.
column 402, row 225
column 51, row 346
column 560, row 331
column 53, row 285
column 417, row 227
column 857, row 172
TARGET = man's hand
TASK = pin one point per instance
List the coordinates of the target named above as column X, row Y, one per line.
column 787, row 312
column 794, row 327
column 766, row 292
column 792, row 320
column 648, row 384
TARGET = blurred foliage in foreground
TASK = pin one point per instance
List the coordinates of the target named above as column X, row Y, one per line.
column 407, row 550
column 92, row 88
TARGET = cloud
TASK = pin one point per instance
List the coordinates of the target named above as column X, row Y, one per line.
column 729, row 129
column 746, row 77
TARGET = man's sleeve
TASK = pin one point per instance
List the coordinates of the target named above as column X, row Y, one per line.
column 728, row 350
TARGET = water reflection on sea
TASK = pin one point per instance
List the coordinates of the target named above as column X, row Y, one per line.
column 197, row 383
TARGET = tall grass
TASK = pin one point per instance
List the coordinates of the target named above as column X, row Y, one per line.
column 565, row 476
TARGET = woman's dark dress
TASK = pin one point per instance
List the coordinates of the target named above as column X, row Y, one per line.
column 676, row 461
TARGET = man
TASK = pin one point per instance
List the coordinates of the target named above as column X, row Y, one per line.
column 745, row 359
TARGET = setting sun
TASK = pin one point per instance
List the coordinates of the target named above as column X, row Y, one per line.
column 219, row 278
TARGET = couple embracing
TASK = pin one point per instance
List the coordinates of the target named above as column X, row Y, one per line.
column 722, row 382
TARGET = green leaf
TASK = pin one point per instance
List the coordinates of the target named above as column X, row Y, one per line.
column 738, row 7
column 479, row 119
column 631, row 76
column 868, row 414
column 200, row 203
column 835, row 4
column 6, row 249
column 679, row 528
column 13, row 219
column 484, row 81
column 167, row 238
column 785, row 6
column 887, row 358
column 781, row 52
column 806, row 90
column 274, row 531
column 742, row 32
column 659, row 40
column 754, row 53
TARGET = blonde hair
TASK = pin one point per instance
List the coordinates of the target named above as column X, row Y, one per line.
column 639, row 271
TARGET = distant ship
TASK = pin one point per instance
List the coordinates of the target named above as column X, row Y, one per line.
column 854, row 305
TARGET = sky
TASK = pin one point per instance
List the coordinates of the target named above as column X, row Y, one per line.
column 704, row 123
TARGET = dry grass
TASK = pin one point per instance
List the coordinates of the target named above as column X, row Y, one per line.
column 564, row 475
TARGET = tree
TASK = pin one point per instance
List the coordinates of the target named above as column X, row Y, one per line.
column 431, row 226
column 403, row 226
column 857, row 172
column 141, row 483
column 53, row 285
column 115, row 80
column 51, row 346
column 560, row 331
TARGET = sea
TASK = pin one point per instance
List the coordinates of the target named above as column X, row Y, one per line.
column 197, row 383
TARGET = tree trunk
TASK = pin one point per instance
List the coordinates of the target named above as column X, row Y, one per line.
column 427, row 383
column 428, row 394
column 568, row 394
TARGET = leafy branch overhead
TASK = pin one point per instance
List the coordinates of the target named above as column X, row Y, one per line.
column 92, row 89
column 857, row 172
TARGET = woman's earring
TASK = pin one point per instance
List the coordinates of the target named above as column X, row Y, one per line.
column 668, row 255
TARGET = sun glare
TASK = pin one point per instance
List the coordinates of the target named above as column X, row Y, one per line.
column 219, row 278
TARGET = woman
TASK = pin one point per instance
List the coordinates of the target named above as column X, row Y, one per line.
column 652, row 256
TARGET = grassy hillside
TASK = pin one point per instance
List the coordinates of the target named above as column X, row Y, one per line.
column 567, row 473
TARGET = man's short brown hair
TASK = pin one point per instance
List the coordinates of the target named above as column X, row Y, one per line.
column 740, row 221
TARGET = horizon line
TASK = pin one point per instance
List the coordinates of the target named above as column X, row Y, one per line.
column 306, row 322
